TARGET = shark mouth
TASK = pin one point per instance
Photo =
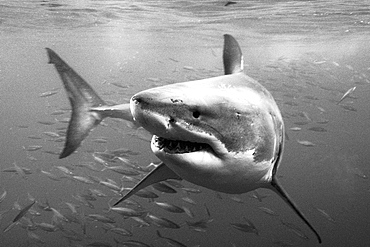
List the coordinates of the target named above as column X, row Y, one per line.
column 180, row 147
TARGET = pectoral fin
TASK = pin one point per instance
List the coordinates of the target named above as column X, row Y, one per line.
column 276, row 187
column 160, row 173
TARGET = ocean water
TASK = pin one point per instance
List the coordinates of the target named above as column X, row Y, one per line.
column 307, row 53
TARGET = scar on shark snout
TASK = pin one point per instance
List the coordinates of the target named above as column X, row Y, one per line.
column 176, row 101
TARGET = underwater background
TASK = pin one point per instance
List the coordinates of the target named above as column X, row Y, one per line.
column 308, row 54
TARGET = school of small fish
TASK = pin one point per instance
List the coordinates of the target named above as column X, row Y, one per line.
column 306, row 114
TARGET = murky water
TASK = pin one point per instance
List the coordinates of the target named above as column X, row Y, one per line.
column 307, row 53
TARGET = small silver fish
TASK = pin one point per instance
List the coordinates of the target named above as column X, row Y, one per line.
column 348, row 108
column 51, row 134
column 162, row 187
column 51, row 175
column 35, row 238
column 100, row 140
column 189, row 200
column 268, row 211
column 170, row 207
column 236, row 199
column 258, row 196
column 121, row 231
column 296, row 230
column 191, row 190
column 203, row 223
column 65, row 170
column 171, row 241
column 46, row 122
column 188, row 212
column 72, row 207
column 3, row 195
column 146, row 194
column 163, row 222
column 48, row 94
column 134, row 243
column 306, row 143
column 127, row 212
column 346, row 94
column 32, row 148
column 326, row 215
column 19, row 216
column 97, row 192
column 110, row 185
column 101, row 218
column 58, row 216
column 82, row 179
column 19, row 171
column 46, row 227
column 142, row 222
column 245, row 227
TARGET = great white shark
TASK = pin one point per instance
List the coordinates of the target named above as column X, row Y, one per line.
column 224, row 133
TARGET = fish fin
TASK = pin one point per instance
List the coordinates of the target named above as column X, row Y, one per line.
column 232, row 56
column 82, row 98
column 160, row 173
column 10, row 226
column 278, row 189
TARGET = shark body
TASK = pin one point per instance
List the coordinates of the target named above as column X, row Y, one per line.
column 224, row 133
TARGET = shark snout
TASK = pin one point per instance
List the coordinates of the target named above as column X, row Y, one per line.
column 136, row 103
column 151, row 114
column 139, row 99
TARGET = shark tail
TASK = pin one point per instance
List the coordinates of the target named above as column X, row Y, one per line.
column 82, row 98
column 278, row 189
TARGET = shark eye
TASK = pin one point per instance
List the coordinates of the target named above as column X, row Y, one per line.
column 196, row 114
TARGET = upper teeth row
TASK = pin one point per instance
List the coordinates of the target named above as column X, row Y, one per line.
column 181, row 146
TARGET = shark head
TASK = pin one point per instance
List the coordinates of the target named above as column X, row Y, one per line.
column 223, row 133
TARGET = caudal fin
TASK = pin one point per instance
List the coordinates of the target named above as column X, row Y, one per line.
column 82, row 98
column 275, row 186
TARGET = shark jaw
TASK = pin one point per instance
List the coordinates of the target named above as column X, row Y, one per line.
column 197, row 162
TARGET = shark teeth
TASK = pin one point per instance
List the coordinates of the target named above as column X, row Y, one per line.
column 179, row 147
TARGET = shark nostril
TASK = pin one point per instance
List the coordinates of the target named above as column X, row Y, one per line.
column 171, row 120
column 137, row 100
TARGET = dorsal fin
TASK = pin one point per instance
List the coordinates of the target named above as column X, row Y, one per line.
column 232, row 55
